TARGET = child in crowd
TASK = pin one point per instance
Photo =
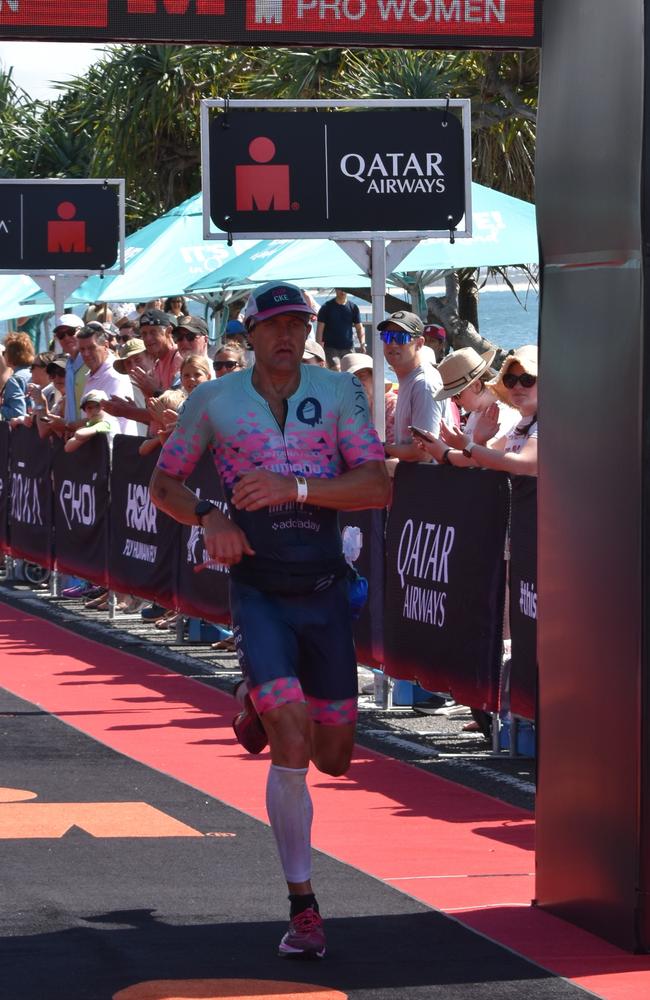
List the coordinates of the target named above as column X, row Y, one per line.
column 97, row 421
column 164, row 408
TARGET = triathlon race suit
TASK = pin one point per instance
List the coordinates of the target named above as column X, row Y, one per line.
column 289, row 601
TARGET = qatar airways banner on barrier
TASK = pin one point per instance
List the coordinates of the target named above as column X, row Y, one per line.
column 144, row 542
column 445, row 580
column 415, row 23
column 523, row 597
column 81, row 505
column 30, row 497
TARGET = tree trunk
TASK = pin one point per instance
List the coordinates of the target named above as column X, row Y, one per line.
column 468, row 300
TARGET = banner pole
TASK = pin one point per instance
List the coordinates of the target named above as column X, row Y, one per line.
column 378, row 297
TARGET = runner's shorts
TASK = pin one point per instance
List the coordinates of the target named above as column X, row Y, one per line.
column 297, row 649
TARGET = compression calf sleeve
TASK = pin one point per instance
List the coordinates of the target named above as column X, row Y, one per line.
column 290, row 810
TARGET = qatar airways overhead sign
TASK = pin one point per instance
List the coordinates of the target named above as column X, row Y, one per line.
column 308, row 172
column 414, row 23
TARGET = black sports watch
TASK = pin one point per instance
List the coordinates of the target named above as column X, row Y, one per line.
column 202, row 508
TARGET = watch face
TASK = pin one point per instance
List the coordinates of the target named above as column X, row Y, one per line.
column 203, row 507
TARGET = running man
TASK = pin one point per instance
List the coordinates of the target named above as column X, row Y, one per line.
column 293, row 444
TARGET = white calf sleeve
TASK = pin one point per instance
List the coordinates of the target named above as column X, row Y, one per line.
column 290, row 810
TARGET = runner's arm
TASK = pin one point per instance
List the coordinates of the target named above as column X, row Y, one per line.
column 367, row 485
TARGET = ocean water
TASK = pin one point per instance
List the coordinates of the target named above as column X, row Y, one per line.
column 506, row 322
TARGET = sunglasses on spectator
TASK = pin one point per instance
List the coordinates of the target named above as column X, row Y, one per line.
column 228, row 365
column 527, row 381
column 184, row 335
column 124, row 337
column 395, row 336
column 67, row 332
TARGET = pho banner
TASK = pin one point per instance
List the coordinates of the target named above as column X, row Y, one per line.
column 445, row 580
column 30, row 496
column 202, row 590
column 523, row 597
column 144, row 542
column 363, row 546
column 4, row 484
column 81, row 510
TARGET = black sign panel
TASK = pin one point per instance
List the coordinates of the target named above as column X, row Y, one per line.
column 418, row 23
column 4, row 483
column 202, row 586
column 312, row 172
column 143, row 547
column 523, row 597
column 48, row 227
column 445, row 583
column 81, row 505
column 363, row 545
column 30, row 496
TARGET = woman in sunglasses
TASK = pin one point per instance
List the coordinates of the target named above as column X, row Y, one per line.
column 514, row 452
column 229, row 358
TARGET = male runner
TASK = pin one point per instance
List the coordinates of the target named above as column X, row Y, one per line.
column 293, row 444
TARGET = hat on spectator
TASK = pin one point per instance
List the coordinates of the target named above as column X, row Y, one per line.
column 69, row 321
column 354, row 363
column 59, row 362
column 406, row 321
column 93, row 396
column 273, row 299
column 313, row 350
column 461, row 369
column 427, row 356
column 525, row 356
column 434, row 331
column 125, row 321
column 192, row 323
column 234, row 326
column 128, row 350
column 156, row 317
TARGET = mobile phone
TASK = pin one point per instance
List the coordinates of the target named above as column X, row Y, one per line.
column 425, row 435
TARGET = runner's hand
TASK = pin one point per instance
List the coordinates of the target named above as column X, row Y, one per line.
column 263, row 489
column 224, row 541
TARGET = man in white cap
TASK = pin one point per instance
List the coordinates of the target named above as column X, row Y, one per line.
column 65, row 332
column 293, row 444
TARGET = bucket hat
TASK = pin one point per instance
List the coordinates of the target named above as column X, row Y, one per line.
column 460, row 369
column 128, row 350
column 525, row 356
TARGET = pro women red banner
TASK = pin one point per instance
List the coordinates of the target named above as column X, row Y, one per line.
column 413, row 23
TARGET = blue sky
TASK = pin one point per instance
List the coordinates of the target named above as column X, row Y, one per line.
column 36, row 65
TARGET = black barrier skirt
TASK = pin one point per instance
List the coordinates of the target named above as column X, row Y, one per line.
column 523, row 597
column 143, row 542
column 30, row 496
column 4, row 485
column 445, row 580
column 202, row 593
column 363, row 531
column 81, row 506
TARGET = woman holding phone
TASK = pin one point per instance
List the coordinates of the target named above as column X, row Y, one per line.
column 514, row 451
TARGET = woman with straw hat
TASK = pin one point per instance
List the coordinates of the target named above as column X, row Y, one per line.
column 515, row 451
column 465, row 376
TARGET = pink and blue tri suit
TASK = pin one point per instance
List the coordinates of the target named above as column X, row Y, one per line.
column 289, row 602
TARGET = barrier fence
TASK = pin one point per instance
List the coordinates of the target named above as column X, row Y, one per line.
column 435, row 565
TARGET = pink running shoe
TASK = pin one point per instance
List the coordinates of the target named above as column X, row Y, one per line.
column 305, row 937
column 247, row 725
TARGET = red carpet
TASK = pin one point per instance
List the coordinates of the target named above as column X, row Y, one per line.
column 457, row 850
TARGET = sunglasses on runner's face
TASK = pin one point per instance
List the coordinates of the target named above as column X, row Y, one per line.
column 395, row 336
column 527, row 381
column 229, row 365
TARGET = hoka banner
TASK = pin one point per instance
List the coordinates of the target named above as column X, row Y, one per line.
column 416, row 23
column 202, row 586
column 445, row 582
column 81, row 505
column 144, row 542
column 30, row 497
